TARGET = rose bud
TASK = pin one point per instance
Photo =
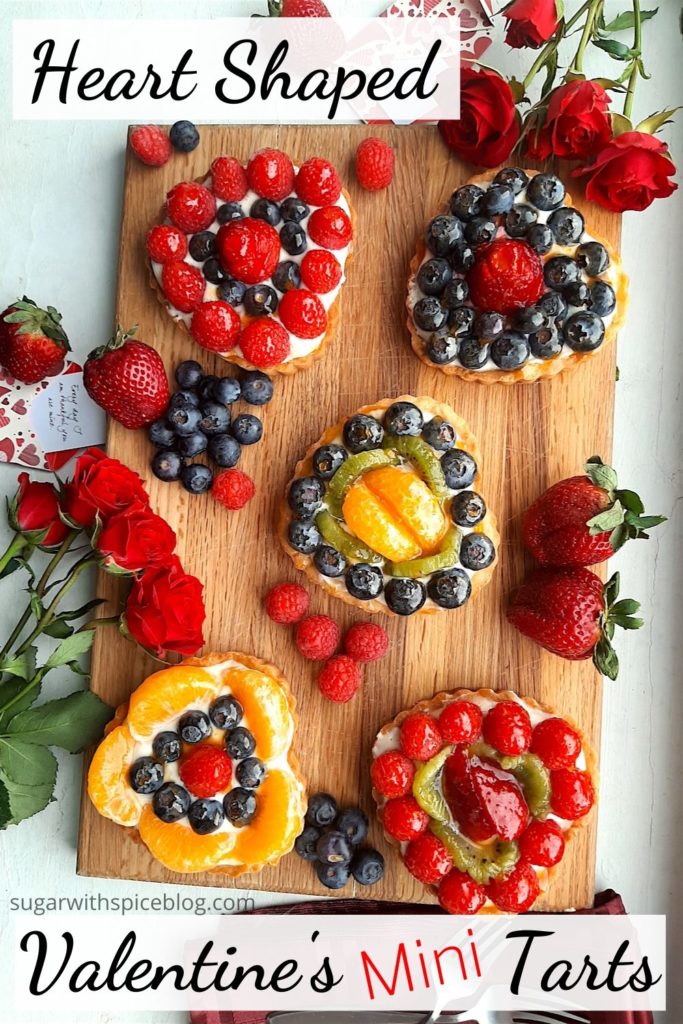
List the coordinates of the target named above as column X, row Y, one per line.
column 34, row 512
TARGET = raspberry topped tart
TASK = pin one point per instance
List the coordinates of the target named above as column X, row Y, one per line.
column 385, row 511
column 251, row 259
column 199, row 764
column 482, row 790
column 509, row 284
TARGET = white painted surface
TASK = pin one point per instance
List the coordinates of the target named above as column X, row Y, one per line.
column 60, row 188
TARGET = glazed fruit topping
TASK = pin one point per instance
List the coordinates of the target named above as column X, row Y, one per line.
column 507, row 275
column 206, row 770
column 460, row 722
column 270, row 174
column 404, row 819
column 507, row 727
column 427, row 859
column 330, row 227
column 573, row 794
column 392, row 773
column 420, row 737
column 542, row 844
column 460, row 894
column 517, row 892
column 556, row 743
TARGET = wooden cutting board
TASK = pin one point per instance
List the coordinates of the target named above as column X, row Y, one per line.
column 530, row 436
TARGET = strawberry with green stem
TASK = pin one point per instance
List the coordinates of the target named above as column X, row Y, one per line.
column 33, row 343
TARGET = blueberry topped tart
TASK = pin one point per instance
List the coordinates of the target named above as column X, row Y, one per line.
column 386, row 512
column 508, row 284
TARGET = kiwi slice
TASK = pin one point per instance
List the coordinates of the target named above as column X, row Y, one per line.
column 443, row 559
column 426, row 788
column 423, row 457
column 534, row 779
column 482, row 863
column 349, row 472
column 337, row 536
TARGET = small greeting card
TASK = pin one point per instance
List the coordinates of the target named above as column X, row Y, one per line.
column 474, row 15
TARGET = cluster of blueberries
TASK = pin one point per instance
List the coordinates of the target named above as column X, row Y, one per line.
column 198, row 420
column 171, row 801
column 570, row 313
column 331, row 840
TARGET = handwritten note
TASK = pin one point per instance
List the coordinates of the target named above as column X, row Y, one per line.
column 64, row 416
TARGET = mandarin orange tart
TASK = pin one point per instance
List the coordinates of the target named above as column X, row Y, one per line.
column 482, row 790
column 199, row 765
column 386, row 512
column 509, row 284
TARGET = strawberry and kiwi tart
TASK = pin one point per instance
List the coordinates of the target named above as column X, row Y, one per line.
column 199, row 766
column 251, row 259
column 482, row 790
column 509, row 284
column 386, row 510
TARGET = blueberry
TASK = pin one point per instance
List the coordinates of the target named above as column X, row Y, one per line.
column 202, row 246
column 171, row 802
column 553, row 305
column 476, row 551
column 239, row 743
column 529, row 319
column 352, row 823
column 146, row 775
column 322, row 810
column 232, row 292
column 540, row 238
column 303, row 535
column 194, row 726
column 239, row 806
column 567, row 225
column 450, row 588
column 466, row 201
column 329, row 562
column 226, row 712
column 459, row 469
column 367, row 867
column 442, row 349
column 305, row 844
column 559, row 271
column 363, row 433
column 213, row 271
column 294, row 209
column 455, row 294
column 257, row 387
column 184, row 420
column 184, row 136
column 433, row 276
column 546, row 343
column 468, row 508
column 593, row 257
column 442, row 234
column 205, row 816
column 583, row 332
column 305, row 496
column 167, row 466
column 333, row 876
column 439, row 434
column 489, row 326
column 328, row 459
column 405, row 596
column 196, row 479
column 576, row 294
column 472, row 353
column 250, row 773
column 510, row 351
column 193, row 444
column 461, row 319
column 260, row 300
column 462, row 257
column 247, row 429
column 264, row 209
column 364, row 581
column 188, row 373
column 161, row 435
column 480, row 230
column 166, row 746
column 184, row 400
column 429, row 314
column 519, row 219
column 205, row 388
column 602, row 300
column 293, row 238
column 215, row 418
column 515, row 177
column 226, row 390
column 229, row 211
column 545, row 191
column 403, row 419
column 498, row 199
column 333, row 848
column 287, row 275
column 224, row 450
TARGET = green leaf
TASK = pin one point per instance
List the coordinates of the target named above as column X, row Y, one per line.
column 71, row 722
column 78, row 613
column 605, row 659
column 620, row 124
column 70, row 648
column 627, row 606
column 25, row 801
column 8, row 692
column 517, row 89
column 628, row 622
column 5, row 810
column 59, row 629
column 619, row 536
column 607, row 520
column 650, row 125
column 600, row 474
column 609, row 83
column 617, row 50
column 12, row 566
column 644, row 522
column 37, row 606
column 27, row 763
column 631, row 501
column 612, row 589
column 626, row 20
column 21, row 665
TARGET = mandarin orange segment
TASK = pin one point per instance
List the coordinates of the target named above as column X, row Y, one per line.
column 412, row 503
column 266, row 710
column 375, row 525
column 108, row 785
column 277, row 823
column 166, row 695
column 179, row 848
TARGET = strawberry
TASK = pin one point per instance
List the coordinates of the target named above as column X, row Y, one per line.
column 206, row 770
column 264, row 343
column 320, row 271
column 583, row 520
column 297, row 9
column 249, row 249
column 507, row 275
column 228, row 179
column 32, row 341
column 500, row 799
column 271, row 174
column 191, row 206
column 128, row 380
column 215, row 326
column 374, row 164
column 303, row 313
column 183, row 285
column 166, row 242
column 317, row 182
column 458, row 791
column 330, row 227
column 571, row 613
column 150, row 144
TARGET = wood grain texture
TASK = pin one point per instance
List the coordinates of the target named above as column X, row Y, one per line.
column 530, row 436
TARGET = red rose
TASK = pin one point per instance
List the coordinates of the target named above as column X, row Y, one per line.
column 35, row 512
column 577, row 121
column 135, row 538
column 165, row 610
column 488, row 129
column 630, row 172
column 530, row 22
column 100, row 485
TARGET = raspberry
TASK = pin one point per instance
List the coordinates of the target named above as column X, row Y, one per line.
column 339, row 679
column 320, row 271
column 542, row 844
column 427, row 859
column 191, row 206
column 507, row 275
column 460, row 722
column 183, row 285
column 507, row 727
column 420, row 737
column 330, row 227
column 164, row 242
column 556, row 743
column 366, row 642
column 392, row 773
column 317, row 637
column 317, row 182
column 215, row 326
column 517, row 892
column 270, row 173
column 571, row 793
column 303, row 313
column 150, row 144
column 265, row 343
column 249, row 249
column 404, row 819
column 374, row 164
column 228, row 179
column 286, row 603
column 233, row 489
column 460, row 894
column 206, row 770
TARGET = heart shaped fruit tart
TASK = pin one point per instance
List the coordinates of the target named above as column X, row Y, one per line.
column 509, row 285
column 482, row 791
column 199, row 763
column 251, row 260
column 385, row 511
